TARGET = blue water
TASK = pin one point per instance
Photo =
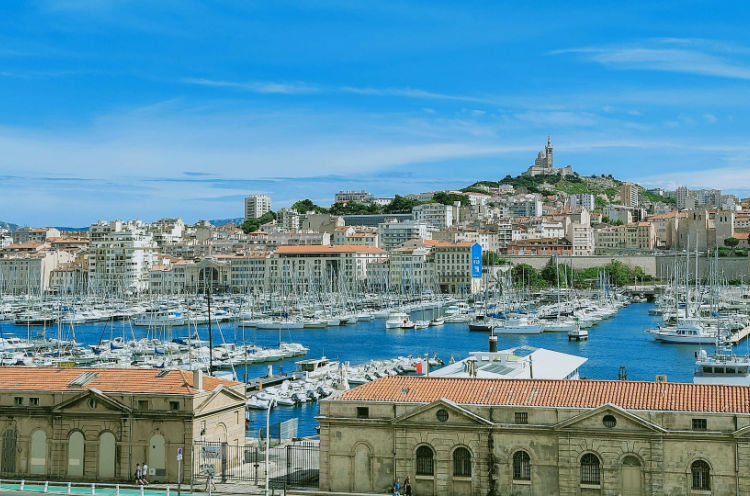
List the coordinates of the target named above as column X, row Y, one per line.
column 619, row 341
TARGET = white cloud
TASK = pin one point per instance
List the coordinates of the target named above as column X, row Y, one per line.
column 667, row 59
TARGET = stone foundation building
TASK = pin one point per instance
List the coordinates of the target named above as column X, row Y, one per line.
column 74, row 424
column 537, row 437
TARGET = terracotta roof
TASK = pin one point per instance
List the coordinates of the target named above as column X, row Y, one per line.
column 107, row 380
column 432, row 242
column 741, row 235
column 632, row 395
column 325, row 249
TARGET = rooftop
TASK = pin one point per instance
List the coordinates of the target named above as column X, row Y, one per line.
column 326, row 249
column 633, row 395
column 106, row 380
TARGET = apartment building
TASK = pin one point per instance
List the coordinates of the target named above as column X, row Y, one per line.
column 256, row 206
column 393, row 234
column 121, row 255
column 636, row 235
column 435, row 215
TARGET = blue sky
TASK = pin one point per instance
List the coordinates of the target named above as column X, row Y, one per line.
column 149, row 109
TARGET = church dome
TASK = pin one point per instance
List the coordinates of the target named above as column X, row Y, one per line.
column 541, row 154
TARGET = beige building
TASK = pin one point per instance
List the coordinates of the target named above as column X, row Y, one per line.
column 256, row 206
column 706, row 228
column 29, row 271
column 636, row 235
column 314, row 267
column 629, row 194
column 453, row 267
column 355, row 235
column 537, row 437
column 97, row 424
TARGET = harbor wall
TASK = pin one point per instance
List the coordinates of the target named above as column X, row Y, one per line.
column 653, row 265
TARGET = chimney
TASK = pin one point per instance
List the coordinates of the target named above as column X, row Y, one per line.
column 493, row 342
column 198, row 379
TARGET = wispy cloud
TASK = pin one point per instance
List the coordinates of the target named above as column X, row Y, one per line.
column 302, row 88
column 690, row 57
column 262, row 87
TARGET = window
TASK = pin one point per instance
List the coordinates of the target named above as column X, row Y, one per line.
column 363, row 412
column 174, row 405
column 461, row 463
column 143, row 404
column 521, row 466
column 701, row 475
column 442, row 415
column 18, row 400
column 609, row 421
column 699, row 424
column 590, row 473
column 424, row 461
column 522, row 418
column 34, row 401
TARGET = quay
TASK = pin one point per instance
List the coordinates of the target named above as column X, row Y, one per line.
column 738, row 336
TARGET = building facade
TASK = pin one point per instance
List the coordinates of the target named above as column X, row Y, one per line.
column 256, row 206
column 636, row 235
column 537, row 437
column 435, row 215
column 121, row 255
column 77, row 424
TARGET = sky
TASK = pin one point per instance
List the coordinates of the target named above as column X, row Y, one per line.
column 144, row 109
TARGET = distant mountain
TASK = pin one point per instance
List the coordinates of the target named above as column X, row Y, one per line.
column 8, row 225
column 221, row 222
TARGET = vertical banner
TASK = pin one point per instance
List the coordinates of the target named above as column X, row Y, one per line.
column 476, row 261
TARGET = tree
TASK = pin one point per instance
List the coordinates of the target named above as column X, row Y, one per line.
column 731, row 242
column 401, row 205
column 449, row 198
column 252, row 225
column 493, row 258
column 307, row 205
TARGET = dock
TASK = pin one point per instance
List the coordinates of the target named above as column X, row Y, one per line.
column 738, row 336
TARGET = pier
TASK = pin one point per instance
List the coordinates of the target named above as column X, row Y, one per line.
column 738, row 336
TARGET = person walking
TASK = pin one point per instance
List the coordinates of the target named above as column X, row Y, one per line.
column 144, row 470
column 407, row 487
column 396, row 488
column 138, row 475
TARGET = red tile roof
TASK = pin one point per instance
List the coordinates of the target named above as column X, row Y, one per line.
column 107, row 380
column 633, row 395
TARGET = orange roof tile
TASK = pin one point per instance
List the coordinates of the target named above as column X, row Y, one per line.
column 107, row 380
column 741, row 235
column 633, row 395
column 326, row 249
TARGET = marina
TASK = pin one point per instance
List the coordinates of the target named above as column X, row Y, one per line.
column 614, row 342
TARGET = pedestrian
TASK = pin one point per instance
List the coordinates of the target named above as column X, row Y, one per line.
column 396, row 488
column 145, row 473
column 407, row 487
column 138, row 475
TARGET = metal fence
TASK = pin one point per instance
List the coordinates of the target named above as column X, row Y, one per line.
column 294, row 464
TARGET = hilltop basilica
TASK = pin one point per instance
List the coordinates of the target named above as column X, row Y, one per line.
column 544, row 163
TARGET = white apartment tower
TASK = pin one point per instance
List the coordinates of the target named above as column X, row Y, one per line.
column 121, row 255
column 256, row 206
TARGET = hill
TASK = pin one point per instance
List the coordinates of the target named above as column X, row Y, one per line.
column 606, row 189
column 8, row 226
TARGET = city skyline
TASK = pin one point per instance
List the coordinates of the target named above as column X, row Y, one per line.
column 133, row 111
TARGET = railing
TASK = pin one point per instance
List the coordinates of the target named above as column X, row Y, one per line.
column 79, row 488
column 295, row 464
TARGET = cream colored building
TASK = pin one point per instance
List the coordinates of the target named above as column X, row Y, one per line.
column 537, row 437
column 76, row 424
column 636, row 235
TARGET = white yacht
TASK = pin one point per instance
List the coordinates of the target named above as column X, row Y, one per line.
column 723, row 366
column 399, row 320
column 519, row 325
column 687, row 331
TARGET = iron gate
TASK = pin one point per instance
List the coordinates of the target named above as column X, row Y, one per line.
column 294, row 464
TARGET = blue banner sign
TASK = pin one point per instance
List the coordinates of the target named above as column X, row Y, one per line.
column 476, row 261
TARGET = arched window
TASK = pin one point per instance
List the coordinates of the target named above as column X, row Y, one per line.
column 425, row 465
column 590, row 471
column 701, row 475
column 521, row 466
column 461, row 463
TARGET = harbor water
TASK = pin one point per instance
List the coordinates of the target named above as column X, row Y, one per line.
column 618, row 341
